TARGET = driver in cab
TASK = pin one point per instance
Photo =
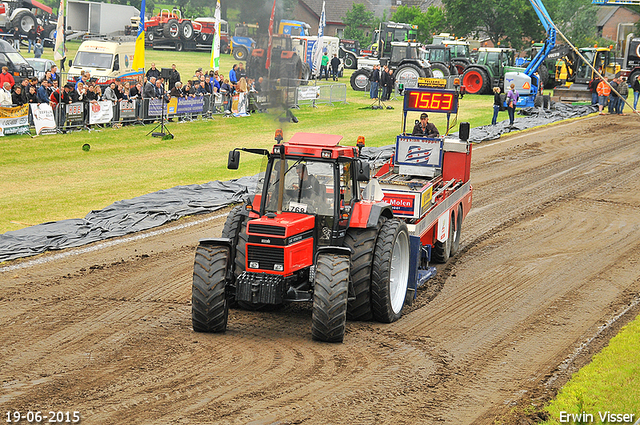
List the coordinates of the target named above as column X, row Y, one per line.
column 424, row 128
column 308, row 183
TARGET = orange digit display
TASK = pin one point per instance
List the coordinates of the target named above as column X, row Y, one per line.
column 431, row 100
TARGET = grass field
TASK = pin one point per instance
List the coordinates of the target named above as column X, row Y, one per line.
column 610, row 383
column 50, row 178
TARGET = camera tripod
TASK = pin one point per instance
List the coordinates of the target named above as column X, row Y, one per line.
column 379, row 103
column 164, row 132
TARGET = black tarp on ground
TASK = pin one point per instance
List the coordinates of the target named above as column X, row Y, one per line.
column 528, row 118
column 155, row 209
column 124, row 217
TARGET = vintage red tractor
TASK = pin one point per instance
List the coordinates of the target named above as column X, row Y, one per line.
column 311, row 233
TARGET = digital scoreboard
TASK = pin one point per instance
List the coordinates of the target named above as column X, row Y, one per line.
column 431, row 100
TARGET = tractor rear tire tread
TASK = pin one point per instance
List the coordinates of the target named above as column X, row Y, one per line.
column 362, row 243
column 329, row 317
column 209, row 307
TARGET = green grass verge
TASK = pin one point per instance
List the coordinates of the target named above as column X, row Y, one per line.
column 610, row 383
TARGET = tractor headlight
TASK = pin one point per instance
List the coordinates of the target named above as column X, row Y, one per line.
column 278, row 267
column 254, row 265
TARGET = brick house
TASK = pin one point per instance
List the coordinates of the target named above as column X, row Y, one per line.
column 613, row 21
column 309, row 11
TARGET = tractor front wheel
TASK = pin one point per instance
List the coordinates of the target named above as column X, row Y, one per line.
column 209, row 307
column 390, row 274
column 329, row 316
column 360, row 80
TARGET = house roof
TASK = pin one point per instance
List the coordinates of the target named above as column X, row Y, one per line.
column 335, row 9
column 604, row 14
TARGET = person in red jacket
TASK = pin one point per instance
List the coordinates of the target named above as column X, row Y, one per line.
column 5, row 76
column 603, row 94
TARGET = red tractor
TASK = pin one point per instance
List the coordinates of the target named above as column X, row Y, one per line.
column 169, row 24
column 312, row 234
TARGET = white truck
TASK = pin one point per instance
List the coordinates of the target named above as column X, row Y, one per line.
column 106, row 61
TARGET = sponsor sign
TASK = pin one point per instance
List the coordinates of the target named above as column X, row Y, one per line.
column 43, row 118
column 75, row 112
column 100, row 112
column 127, row 110
column 436, row 83
column 190, row 105
column 14, row 120
column 418, row 151
column 308, row 93
column 408, row 203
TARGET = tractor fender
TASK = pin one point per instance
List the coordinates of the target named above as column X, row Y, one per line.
column 340, row 250
column 367, row 214
column 218, row 242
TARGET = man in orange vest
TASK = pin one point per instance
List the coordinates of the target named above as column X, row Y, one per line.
column 603, row 94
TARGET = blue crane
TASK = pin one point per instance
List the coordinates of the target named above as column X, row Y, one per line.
column 527, row 83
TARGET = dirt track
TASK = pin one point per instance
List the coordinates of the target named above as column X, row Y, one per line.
column 551, row 251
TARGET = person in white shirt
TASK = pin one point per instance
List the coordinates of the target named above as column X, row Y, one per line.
column 5, row 95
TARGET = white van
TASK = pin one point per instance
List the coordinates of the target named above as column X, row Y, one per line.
column 107, row 61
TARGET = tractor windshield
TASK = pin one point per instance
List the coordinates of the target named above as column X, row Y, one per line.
column 308, row 187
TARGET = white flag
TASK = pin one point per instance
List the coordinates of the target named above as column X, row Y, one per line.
column 215, row 49
column 319, row 46
column 59, row 46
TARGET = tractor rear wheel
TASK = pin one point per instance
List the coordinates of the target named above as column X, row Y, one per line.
column 441, row 251
column 24, row 20
column 186, row 30
column 390, row 271
column 209, row 306
column 171, row 29
column 362, row 243
column 329, row 317
column 360, row 80
column 476, row 81
column 408, row 75
column 439, row 70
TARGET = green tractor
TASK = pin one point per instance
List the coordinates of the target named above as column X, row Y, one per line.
column 489, row 70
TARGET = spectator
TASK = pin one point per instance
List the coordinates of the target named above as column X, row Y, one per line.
column 233, row 78
column 125, row 91
column 16, row 38
column 47, row 76
column 240, row 71
column 32, row 96
column 6, row 77
column 5, row 95
column 90, row 95
column 197, row 74
column 79, row 93
column 153, row 72
column 25, row 90
column 374, row 79
column 55, row 76
column 623, row 89
column 160, row 94
column 174, row 76
column 176, row 91
column 16, row 97
column 84, row 79
column 43, row 92
column 32, row 35
column 98, row 92
column 227, row 91
column 323, row 67
column 613, row 97
column 199, row 88
column 635, row 85
column 188, row 90
column 110, row 93
column 335, row 64
column 242, row 96
column 38, row 48
column 603, row 94
column 136, row 91
column 149, row 90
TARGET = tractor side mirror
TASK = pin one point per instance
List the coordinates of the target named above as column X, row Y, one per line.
column 234, row 160
column 363, row 171
column 464, row 131
column 70, row 63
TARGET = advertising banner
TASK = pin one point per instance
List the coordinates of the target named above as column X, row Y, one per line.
column 100, row 112
column 75, row 112
column 14, row 120
column 43, row 118
column 190, row 105
column 127, row 110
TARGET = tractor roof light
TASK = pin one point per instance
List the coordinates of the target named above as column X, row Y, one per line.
column 326, row 154
column 278, row 135
column 360, row 144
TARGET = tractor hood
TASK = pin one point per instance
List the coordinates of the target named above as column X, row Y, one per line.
column 288, row 226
